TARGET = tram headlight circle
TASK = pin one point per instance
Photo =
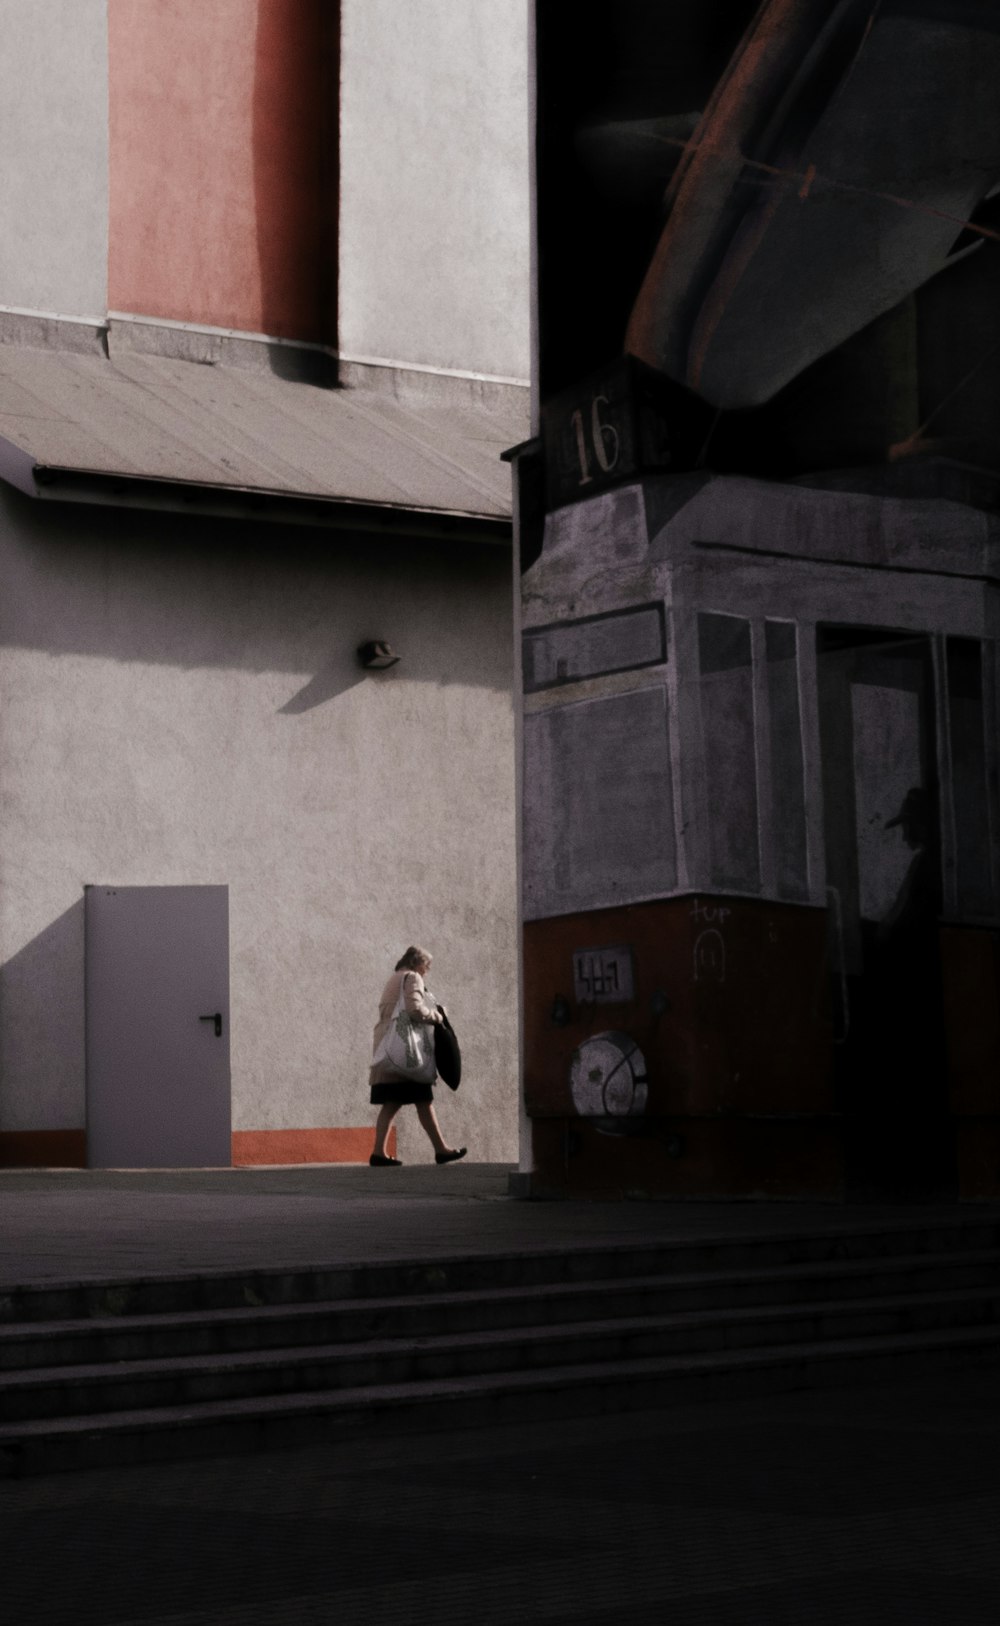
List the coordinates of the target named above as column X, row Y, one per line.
column 608, row 1077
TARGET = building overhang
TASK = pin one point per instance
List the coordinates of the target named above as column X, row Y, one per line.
column 84, row 418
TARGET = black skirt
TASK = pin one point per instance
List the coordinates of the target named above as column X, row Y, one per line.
column 404, row 1092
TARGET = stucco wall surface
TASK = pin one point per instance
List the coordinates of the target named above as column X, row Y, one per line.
column 180, row 703
column 54, row 140
column 434, row 184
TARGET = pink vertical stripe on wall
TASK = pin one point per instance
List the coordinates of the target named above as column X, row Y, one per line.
column 223, row 163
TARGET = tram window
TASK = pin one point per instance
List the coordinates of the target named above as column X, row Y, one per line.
column 968, row 769
column 726, row 689
column 598, row 804
column 788, row 796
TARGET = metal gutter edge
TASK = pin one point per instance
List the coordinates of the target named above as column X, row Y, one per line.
column 55, row 484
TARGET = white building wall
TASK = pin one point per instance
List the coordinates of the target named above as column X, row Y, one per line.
column 54, row 141
column 435, row 213
column 180, row 702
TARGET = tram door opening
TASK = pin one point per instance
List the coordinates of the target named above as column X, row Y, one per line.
column 883, row 871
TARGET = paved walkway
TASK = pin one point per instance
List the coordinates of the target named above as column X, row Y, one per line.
column 64, row 1225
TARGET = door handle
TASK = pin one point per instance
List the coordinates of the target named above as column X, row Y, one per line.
column 215, row 1017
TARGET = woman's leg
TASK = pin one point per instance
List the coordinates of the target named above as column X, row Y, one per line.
column 428, row 1120
column 386, row 1112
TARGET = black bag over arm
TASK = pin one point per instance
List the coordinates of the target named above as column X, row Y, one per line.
column 447, row 1055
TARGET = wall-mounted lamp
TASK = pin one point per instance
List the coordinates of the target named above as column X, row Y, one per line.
column 376, row 655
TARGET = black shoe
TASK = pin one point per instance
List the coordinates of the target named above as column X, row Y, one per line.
column 377, row 1161
column 450, row 1157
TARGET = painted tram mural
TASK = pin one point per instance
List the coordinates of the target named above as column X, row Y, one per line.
column 760, row 537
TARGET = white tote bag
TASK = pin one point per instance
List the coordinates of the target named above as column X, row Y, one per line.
column 408, row 1045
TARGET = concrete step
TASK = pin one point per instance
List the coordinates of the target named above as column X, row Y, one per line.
column 201, row 1362
column 103, row 1339
column 253, row 1424
column 171, row 1293
column 63, row 1391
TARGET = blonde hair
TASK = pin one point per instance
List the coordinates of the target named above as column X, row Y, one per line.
column 412, row 959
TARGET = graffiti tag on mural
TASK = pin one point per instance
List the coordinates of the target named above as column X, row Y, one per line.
column 709, row 956
column 710, row 913
column 709, row 952
column 603, row 975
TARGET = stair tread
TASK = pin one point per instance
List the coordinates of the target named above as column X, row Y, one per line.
column 11, row 1331
column 576, row 1375
column 177, row 1365
column 633, row 1247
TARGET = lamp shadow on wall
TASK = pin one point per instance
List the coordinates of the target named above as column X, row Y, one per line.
column 296, row 117
column 209, row 593
column 42, row 1019
column 333, row 680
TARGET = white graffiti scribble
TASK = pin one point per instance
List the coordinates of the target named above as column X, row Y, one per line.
column 709, row 956
column 709, row 912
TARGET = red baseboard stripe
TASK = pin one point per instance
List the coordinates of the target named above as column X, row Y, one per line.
column 305, row 1145
column 43, row 1149
column 67, row 1148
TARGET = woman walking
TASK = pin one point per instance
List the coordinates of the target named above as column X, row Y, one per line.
column 391, row 1089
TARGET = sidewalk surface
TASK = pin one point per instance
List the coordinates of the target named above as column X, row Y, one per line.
column 62, row 1225
column 878, row 1506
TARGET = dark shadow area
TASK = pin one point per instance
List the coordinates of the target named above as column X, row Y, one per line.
column 891, row 1059
column 42, row 1021
column 301, row 366
column 873, row 1505
column 636, row 60
column 326, row 685
column 618, row 98
column 296, row 109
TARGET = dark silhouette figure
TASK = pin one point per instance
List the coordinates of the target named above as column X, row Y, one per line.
column 902, row 1051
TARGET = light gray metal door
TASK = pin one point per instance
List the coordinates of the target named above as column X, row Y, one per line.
column 158, row 1082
